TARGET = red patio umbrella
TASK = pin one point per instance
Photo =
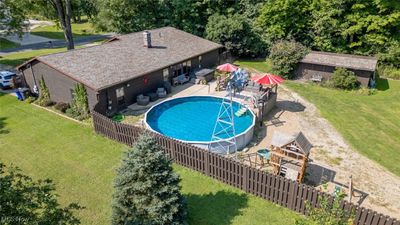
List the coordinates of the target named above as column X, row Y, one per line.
column 227, row 67
column 267, row 79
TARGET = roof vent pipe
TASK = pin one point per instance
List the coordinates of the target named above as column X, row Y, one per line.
column 147, row 39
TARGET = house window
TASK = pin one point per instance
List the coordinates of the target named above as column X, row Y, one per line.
column 188, row 66
column 177, row 70
column 199, row 61
column 166, row 74
column 120, row 95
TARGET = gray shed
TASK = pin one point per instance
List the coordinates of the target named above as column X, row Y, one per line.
column 323, row 64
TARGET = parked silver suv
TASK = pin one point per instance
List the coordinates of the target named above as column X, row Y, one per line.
column 6, row 78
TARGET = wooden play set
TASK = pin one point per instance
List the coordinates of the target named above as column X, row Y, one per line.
column 289, row 155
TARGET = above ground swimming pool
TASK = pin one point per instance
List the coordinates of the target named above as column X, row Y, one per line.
column 192, row 120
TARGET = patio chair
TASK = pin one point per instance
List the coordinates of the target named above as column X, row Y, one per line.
column 153, row 96
column 161, row 92
column 167, row 86
column 252, row 87
column 142, row 100
column 262, row 97
column 181, row 79
column 316, row 78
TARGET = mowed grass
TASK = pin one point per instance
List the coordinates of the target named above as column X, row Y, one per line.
column 371, row 124
column 55, row 32
column 15, row 59
column 18, row 58
column 82, row 165
column 6, row 44
column 255, row 65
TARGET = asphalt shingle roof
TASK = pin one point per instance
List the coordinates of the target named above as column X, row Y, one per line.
column 123, row 59
column 341, row 60
column 280, row 139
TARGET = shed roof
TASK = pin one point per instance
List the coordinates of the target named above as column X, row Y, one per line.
column 356, row 62
column 125, row 57
column 281, row 139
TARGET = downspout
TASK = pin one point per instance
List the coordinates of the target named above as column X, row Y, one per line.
column 24, row 79
column 33, row 75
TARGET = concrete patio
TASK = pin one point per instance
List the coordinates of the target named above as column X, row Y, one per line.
column 190, row 89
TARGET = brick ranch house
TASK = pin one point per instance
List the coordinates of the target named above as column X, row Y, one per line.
column 323, row 64
column 115, row 72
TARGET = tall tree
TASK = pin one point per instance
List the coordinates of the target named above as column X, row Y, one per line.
column 147, row 190
column 125, row 16
column 371, row 24
column 286, row 19
column 60, row 10
column 81, row 8
column 64, row 12
column 12, row 16
column 235, row 33
column 328, row 17
column 25, row 201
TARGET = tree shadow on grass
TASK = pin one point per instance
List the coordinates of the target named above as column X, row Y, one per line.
column 13, row 62
column 382, row 84
column 215, row 208
column 2, row 120
column 2, row 126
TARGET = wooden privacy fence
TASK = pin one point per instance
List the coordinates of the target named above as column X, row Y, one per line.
column 277, row 189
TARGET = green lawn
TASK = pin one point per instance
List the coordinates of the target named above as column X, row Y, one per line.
column 5, row 44
column 259, row 65
column 371, row 124
column 55, row 32
column 83, row 165
column 18, row 58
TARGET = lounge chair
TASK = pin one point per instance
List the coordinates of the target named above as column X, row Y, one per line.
column 161, row 92
column 181, row 79
column 142, row 100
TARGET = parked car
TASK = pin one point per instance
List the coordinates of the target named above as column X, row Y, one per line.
column 6, row 78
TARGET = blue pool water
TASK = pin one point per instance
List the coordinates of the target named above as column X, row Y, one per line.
column 192, row 118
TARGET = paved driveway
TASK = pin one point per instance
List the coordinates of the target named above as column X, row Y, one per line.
column 27, row 39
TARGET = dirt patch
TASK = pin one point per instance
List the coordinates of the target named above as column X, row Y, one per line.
column 332, row 159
